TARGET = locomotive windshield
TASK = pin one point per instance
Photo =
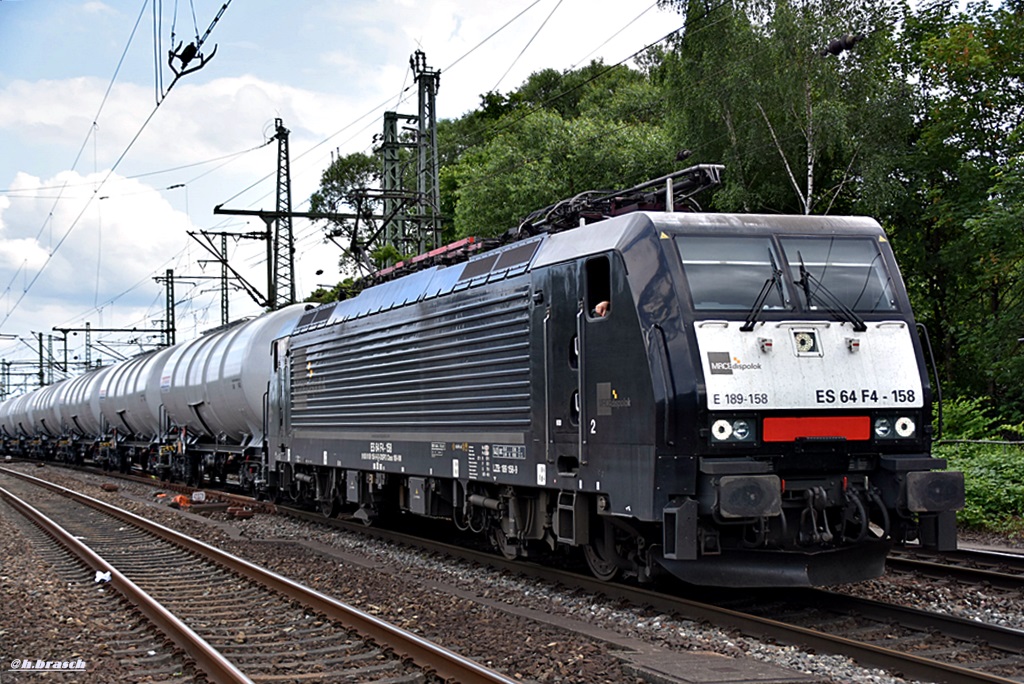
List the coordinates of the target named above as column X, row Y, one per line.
column 850, row 269
column 727, row 272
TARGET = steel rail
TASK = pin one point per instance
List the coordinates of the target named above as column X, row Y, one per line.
column 993, row 578
column 910, row 665
column 445, row 663
column 949, row 564
column 213, row 664
column 961, row 628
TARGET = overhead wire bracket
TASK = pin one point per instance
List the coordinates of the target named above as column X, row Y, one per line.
column 185, row 56
column 189, row 53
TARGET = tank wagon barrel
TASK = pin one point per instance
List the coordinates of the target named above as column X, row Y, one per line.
column 185, row 411
column 124, row 396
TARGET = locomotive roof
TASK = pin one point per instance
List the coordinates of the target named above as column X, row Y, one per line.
column 542, row 250
column 776, row 223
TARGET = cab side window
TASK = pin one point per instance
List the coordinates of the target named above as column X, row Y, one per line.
column 599, row 287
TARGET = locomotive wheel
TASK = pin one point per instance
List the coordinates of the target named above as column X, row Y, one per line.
column 602, row 568
column 329, row 508
column 508, row 549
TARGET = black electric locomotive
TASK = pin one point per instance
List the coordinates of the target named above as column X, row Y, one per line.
column 740, row 400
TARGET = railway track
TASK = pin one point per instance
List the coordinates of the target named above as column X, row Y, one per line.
column 917, row 644
column 124, row 639
column 194, row 592
column 1002, row 570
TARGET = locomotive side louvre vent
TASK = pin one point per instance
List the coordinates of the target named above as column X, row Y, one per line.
column 461, row 366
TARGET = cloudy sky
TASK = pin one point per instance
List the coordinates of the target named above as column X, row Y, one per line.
column 99, row 185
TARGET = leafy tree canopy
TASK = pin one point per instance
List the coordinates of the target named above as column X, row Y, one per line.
column 556, row 136
column 917, row 122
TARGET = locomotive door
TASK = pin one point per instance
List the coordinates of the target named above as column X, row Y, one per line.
column 612, row 365
column 561, row 368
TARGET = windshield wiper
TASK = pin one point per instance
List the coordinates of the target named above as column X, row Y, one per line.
column 829, row 301
column 774, row 281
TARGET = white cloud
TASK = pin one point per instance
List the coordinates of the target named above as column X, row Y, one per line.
column 350, row 58
column 90, row 250
column 21, row 254
column 95, row 7
column 195, row 122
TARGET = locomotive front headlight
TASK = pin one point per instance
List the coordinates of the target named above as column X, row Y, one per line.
column 731, row 430
column 895, row 427
column 905, row 426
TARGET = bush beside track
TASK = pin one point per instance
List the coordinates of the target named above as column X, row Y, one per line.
column 994, row 480
column 989, row 449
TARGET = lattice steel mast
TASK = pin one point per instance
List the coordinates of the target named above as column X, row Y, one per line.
column 282, row 278
column 427, row 186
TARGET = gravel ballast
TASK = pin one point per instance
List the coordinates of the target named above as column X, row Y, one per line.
column 486, row 615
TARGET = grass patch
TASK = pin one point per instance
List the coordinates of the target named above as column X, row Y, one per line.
column 994, row 481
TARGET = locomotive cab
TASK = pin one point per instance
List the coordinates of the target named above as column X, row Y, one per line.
column 810, row 408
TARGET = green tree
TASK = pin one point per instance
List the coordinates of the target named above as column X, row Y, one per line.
column 997, row 233
column 343, row 191
column 962, row 247
column 349, row 287
column 455, row 138
column 605, row 134
column 799, row 129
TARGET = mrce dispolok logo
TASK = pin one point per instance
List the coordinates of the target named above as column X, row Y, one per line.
column 724, row 363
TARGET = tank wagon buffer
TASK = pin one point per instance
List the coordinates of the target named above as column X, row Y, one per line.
column 752, row 409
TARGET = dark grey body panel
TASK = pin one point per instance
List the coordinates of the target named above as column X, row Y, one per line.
column 440, row 387
column 477, row 378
